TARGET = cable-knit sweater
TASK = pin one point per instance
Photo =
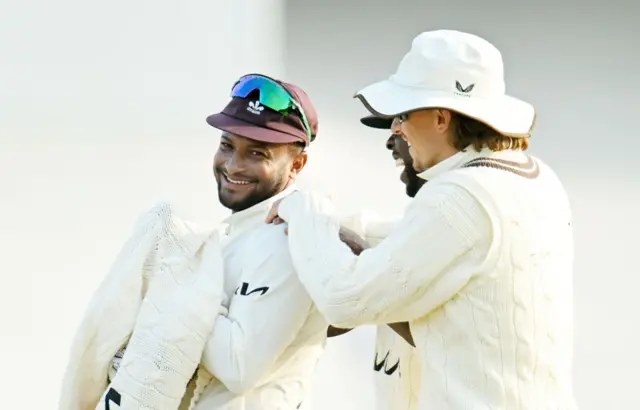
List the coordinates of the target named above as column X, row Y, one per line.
column 160, row 298
column 232, row 308
column 481, row 267
column 396, row 371
column 263, row 353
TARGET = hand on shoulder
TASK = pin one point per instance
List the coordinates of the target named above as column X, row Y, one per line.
column 356, row 243
column 305, row 201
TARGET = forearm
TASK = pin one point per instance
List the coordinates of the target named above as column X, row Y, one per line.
column 223, row 355
column 423, row 263
column 328, row 268
column 369, row 226
column 247, row 341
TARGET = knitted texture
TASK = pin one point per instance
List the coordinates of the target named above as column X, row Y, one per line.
column 162, row 266
column 480, row 266
column 174, row 323
column 258, row 362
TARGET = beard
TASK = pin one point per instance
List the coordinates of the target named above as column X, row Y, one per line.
column 412, row 188
column 256, row 193
column 413, row 182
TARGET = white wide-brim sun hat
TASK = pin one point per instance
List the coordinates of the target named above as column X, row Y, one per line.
column 456, row 71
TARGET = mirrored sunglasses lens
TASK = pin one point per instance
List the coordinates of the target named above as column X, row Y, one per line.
column 271, row 94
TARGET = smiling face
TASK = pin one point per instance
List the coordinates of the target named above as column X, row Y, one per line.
column 248, row 171
column 428, row 133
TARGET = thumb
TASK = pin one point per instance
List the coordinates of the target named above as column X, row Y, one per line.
column 273, row 212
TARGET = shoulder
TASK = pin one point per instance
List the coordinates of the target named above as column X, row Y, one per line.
column 449, row 192
column 166, row 214
column 463, row 191
column 268, row 247
column 158, row 215
column 163, row 217
column 454, row 204
column 172, row 234
column 271, row 238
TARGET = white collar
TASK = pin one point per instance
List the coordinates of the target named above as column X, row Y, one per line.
column 469, row 153
column 239, row 222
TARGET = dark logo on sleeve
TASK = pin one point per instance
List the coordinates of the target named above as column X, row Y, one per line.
column 112, row 396
column 245, row 291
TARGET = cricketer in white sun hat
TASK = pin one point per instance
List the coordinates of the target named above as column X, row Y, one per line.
column 453, row 70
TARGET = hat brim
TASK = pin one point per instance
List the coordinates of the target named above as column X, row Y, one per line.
column 246, row 129
column 507, row 115
column 377, row 122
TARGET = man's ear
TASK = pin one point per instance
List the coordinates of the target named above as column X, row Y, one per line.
column 443, row 120
column 298, row 163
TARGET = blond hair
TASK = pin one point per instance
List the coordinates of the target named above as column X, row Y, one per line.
column 468, row 131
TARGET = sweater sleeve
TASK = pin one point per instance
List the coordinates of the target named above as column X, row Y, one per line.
column 265, row 314
column 111, row 313
column 427, row 258
column 369, row 226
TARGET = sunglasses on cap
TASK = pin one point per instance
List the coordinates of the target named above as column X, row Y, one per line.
column 272, row 95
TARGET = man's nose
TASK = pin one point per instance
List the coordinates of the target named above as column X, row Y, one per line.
column 395, row 127
column 234, row 164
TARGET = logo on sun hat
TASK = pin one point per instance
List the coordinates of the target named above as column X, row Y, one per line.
column 453, row 70
column 464, row 90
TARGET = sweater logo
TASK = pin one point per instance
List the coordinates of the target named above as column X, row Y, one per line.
column 382, row 365
column 244, row 290
column 112, row 396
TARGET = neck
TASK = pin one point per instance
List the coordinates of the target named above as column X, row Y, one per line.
column 438, row 155
column 446, row 152
column 288, row 185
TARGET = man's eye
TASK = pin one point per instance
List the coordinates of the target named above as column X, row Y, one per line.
column 258, row 153
column 225, row 145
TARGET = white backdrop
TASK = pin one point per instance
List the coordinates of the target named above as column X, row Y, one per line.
column 102, row 109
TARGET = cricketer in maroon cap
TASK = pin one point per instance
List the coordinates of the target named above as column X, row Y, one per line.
column 265, row 129
column 262, row 149
column 268, row 336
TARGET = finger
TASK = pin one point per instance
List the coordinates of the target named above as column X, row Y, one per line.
column 271, row 216
column 273, row 212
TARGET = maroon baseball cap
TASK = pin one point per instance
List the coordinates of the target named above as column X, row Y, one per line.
column 247, row 118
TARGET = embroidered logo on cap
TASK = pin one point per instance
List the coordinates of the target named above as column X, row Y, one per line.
column 462, row 90
column 255, row 107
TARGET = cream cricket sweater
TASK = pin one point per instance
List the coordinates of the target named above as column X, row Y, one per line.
column 161, row 299
column 396, row 371
column 481, row 266
column 225, row 307
column 264, row 351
